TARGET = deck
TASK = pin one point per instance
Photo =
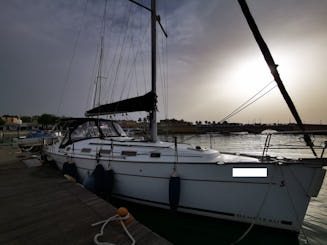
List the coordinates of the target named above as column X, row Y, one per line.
column 39, row 206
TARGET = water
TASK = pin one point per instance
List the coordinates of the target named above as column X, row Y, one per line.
column 190, row 229
column 8, row 140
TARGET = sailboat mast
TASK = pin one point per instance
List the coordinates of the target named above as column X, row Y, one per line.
column 153, row 112
column 273, row 68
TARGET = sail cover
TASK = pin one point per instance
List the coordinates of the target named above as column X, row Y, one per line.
column 145, row 102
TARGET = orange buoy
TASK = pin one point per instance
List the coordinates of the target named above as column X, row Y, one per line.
column 125, row 215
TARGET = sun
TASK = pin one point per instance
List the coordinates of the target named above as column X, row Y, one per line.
column 249, row 76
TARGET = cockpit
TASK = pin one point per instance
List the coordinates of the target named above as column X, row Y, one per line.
column 85, row 128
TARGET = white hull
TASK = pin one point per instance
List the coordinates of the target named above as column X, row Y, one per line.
column 279, row 200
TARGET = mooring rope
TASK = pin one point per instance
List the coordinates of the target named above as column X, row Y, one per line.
column 122, row 216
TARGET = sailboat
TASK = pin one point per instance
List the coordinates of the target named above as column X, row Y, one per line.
column 260, row 190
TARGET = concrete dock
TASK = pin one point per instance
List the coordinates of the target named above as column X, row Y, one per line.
column 39, row 206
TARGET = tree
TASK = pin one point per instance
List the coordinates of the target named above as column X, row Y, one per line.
column 2, row 122
column 26, row 119
column 47, row 119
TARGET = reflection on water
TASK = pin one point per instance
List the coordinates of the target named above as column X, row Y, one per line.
column 315, row 221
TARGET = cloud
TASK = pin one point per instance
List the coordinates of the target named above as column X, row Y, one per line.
column 206, row 40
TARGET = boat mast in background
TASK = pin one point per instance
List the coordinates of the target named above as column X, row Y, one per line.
column 99, row 76
column 273, row 68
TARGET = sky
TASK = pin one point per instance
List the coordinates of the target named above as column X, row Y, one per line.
column 208, row 66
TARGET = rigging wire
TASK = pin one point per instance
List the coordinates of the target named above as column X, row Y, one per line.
column 102, row 31
column 166, row 62
column 119, row 63
column 146, row 33
column 127, row 63
column 249, row 102
column 127, row 56
column 163, row 63
column 160, row 66
column 133, row 56
column 131, row 65
column 110, row 32
column 128, row 70
column 116, row 46
column 72, row 58
column 99, row 75
column 92, row 84
column 165, row 76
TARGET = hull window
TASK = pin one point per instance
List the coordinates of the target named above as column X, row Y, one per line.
column 155, row 154
column 128, row 153
column 86, row 150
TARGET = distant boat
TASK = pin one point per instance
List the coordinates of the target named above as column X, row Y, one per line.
column 239, row 133
column 261, row 190
column 34, row 141
column 269, row 131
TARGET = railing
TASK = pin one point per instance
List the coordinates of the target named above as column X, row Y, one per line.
column 268, row 146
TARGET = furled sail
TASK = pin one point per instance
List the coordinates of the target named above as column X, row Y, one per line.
column 145, row 102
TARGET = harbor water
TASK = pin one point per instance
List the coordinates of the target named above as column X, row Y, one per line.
column 191, row 229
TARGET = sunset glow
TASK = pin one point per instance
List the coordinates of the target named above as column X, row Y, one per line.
column 213, row 62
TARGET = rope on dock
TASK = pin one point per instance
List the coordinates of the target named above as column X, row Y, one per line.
column 123, row 217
